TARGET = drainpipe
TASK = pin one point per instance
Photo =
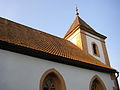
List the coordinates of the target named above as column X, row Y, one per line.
column 116, row 79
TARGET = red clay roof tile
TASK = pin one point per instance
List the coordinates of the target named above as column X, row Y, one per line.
column 21, row 35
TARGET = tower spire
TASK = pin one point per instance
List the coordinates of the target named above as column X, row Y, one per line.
column 77, row 13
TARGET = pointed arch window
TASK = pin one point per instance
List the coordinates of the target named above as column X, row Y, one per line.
column 97, row 84
column 95, row 49
column 52, row 80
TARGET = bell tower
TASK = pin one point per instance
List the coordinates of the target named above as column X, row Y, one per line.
column 87, row 39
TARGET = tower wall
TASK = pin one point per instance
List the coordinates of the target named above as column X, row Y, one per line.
column 75, row 38
column 93, row 39
column 84, row 41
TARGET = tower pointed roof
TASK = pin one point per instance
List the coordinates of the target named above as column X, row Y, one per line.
column 79, row 23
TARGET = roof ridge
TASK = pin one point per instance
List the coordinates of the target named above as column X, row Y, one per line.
column 71, row 28
column 85, row 23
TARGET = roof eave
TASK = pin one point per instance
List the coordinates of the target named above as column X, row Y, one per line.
column 93, row 32
column 51, row 57
column 87, row 30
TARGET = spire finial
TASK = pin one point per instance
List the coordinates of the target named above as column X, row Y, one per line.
column 77, row 11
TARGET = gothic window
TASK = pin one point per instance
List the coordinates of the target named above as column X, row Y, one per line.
column 52, row 80
column 95, row 49
column 97, row 84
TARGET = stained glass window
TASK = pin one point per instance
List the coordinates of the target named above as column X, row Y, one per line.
column 49, row 85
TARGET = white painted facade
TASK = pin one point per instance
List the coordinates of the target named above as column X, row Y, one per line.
column 90, row 39
column 76, row 39
column 73, row 37
column 22, row 72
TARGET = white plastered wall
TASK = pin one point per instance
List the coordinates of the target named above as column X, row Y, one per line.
column 90, row 39
column 75, row 38
column 22, row 72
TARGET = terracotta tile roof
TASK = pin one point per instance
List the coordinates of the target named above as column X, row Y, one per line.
column 78, row 22
column 24, row 36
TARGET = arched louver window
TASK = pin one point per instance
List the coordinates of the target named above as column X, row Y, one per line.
column 95, row 49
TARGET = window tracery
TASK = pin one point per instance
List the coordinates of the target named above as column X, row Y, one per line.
column 95, row 85
column 49, row 85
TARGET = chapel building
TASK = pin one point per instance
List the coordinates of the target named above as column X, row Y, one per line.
column 34, row 60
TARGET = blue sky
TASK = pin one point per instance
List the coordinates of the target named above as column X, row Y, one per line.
column 55, row 17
